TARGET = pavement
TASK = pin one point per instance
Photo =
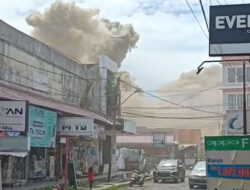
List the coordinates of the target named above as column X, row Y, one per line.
column 119, row 179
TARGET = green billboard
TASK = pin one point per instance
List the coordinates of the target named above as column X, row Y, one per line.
column 227, row 143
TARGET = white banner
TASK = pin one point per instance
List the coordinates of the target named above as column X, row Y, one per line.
column 77, row 126
column 40, row 81
column 12, row 115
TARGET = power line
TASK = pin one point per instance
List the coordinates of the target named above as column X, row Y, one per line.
column 168, row 107
column 165, row 117
column 204, row 14
column 196, row 19
column 174, row 103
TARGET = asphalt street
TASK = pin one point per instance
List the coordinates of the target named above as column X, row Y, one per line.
column 161, row 186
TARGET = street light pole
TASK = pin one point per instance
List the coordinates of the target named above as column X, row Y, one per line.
column 244, row 100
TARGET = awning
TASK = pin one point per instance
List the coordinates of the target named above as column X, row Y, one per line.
column 47, row 102
column 16, row 154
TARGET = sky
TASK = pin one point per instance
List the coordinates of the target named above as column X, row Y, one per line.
column 171, row 40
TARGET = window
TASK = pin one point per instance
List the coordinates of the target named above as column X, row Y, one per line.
column 231, row 101
column 240, row 101
column 248, row 100
column 239, row 75
column 231, row 75
column 248, row 74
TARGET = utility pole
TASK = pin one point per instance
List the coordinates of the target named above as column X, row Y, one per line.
column 112, row 139
column 244, row 100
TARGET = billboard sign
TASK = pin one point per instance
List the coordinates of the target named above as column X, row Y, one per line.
column 77, row 126
column 13, row 115
column 228, row 164
column 229, row 30
column 234, row 122
column 159, row 139
column 42, row 127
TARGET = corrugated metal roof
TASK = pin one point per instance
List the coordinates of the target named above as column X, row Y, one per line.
column 36, row 99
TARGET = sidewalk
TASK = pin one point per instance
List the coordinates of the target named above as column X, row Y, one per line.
column 120, row 176
column 109, row 185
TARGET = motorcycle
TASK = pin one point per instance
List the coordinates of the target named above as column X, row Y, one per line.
column 137, row 178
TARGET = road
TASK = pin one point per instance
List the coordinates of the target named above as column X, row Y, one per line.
column 161, row 186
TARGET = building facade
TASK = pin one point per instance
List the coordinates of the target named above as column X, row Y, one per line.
column 233, row 96
column 67, row 109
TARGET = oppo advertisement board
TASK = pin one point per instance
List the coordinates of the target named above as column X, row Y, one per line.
column 229, row 30
column 13, row 115
column 228, row 163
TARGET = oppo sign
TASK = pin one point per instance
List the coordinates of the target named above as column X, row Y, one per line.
column 229, row 30
column 227, row 143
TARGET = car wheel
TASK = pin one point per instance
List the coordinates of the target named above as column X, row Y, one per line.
column 191, row 186
column 155, row 181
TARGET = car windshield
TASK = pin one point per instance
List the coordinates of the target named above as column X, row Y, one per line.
column 200, row 166
column 167, row 163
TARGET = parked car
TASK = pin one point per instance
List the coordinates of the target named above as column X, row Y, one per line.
column 198, row 175
column 169, row 170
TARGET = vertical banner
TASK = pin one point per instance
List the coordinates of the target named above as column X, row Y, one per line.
column 228, row 162
column 42, row 127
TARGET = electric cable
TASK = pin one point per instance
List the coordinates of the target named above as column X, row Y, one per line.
column 196, row 19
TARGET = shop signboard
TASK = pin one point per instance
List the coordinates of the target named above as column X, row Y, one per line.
column 14, row 144
column 159, row 139
column 229, row 30
column 77, row 126
column 40, row 81
column 129, row 126
column 13, row 115
column 228, row 163
column 42, row 127
column 234, row 122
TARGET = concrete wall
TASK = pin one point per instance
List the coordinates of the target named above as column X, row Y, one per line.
column 42, row 69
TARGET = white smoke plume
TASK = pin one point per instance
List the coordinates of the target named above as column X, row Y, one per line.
column 201, row 91
column 80, row 32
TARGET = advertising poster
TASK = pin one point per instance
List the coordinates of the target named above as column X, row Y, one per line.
column 159, row 139
column 42, row 126
column 228, row 163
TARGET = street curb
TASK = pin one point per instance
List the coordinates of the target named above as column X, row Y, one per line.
column 122, row 184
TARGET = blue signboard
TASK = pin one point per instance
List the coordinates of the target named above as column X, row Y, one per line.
column 229, row 171
column 42, row 127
